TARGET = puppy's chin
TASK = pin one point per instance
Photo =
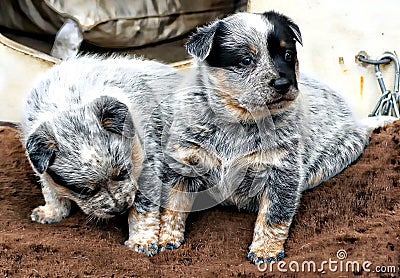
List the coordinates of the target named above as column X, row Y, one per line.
column 254, row 112
column 241, row 110
column 279, row 105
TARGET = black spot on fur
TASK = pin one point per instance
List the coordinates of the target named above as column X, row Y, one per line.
column 114, row 116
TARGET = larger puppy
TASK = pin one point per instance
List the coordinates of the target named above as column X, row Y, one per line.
column 250, row 133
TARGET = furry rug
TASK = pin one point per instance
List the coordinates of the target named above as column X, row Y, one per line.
column 347, row 226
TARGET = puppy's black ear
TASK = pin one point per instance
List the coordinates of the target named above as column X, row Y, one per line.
column 277, row 18
column 295, row 31
column 201, row 42
column 114, row 116
column 41, row 148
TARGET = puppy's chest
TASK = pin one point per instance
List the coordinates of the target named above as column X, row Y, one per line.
column 225, row 151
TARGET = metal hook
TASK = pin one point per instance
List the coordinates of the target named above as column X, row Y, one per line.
column 389, row 102
column 391, row 56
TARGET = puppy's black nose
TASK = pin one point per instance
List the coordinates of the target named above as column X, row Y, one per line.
column 281, row 85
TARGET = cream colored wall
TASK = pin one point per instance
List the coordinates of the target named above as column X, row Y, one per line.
column 19, row 68
column 334, row 32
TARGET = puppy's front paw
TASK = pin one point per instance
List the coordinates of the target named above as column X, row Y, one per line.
column 149, row 248
column 143, row 232
column 268, row 241
column 172, row 230
column 264, row 256
column 48, row 214
column 171, row 241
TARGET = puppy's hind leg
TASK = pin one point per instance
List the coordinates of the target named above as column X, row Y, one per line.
column 173, row 218
column 56, row 207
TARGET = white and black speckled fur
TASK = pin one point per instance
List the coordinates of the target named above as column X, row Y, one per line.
column 242, row 127
column 250, row 132
column 83, row 131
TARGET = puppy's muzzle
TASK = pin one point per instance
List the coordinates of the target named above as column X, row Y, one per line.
column 281, row 85
column 120, row 210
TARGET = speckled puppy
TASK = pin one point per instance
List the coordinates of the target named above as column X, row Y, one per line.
column 250, row 132
column 83, row 136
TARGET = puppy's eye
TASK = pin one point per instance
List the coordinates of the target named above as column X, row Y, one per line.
column 120, row 175
column 288, row 56
column 246, row 62
column 86, row 192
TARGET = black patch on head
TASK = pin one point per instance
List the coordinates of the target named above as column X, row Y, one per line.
column 41, row 147
column 114, row 116
column 208, row 44
column 282, row 45
column 282, row 21
column 224, row 57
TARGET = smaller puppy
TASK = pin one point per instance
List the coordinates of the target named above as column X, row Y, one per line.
column 82, row 142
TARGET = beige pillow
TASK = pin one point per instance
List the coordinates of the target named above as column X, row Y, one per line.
column 119, row 23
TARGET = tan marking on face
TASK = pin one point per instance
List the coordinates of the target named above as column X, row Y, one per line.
column 52, row 145
column 229, row 94
column 174, row 216
column 137, row 158
column 239, row 112
column 253, row 49
column 223, row 84
column 282, row 44
column 143, row 231
column 115, row 172
column 192, row 160
column 268, row 240
column 106, row 123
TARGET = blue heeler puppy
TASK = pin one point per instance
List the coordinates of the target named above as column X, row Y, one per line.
column 83, row 133
column 250, row 132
